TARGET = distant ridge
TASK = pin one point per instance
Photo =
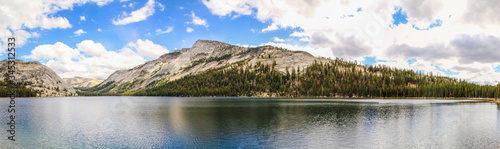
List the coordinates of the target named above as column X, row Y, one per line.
column 82, row 82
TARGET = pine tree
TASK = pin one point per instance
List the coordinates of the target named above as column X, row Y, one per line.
column 498, row 91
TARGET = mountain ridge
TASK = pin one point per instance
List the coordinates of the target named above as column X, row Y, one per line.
column 203, row 55
column 82, row 82
column 212, row 68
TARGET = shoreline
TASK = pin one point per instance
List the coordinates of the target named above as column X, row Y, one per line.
column 310, row 97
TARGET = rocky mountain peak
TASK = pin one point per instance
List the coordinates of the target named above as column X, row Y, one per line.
column 207, row 44
column 39, row 77
column 202, row 56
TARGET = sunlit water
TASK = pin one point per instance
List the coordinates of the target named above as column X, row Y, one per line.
column 163, row 122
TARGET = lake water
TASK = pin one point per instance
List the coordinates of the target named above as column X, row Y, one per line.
column 168, row 122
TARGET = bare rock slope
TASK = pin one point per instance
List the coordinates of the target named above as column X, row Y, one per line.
column 82, row 82
column 39, row 77
column 203, row 55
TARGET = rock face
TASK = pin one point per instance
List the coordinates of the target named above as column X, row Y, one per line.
column 39, row 77
column 203, row 55
column 82, row 82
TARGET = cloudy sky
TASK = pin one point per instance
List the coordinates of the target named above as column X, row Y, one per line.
column 94, row 38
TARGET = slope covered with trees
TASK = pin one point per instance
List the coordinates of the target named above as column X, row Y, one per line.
column 337, row 78
column 19, row 87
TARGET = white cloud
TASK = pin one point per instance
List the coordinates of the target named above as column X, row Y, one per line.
column 224, row 8
column 91, row 59
column 137, row 15
column 99, row 30
column 482, row 12
column 79, row 32
column 148, row 48
column 100, row 3
column 82, row 18
column 271, row 27
column 123, row 1
column 465, row 39
column 181, row 8
column 189, row 29
column 21, row 17
column 169, row 29
column 58, row 50
column 161, row 6
column 277, row 39
column 247, row 46
column 197, row 20
column 91, row 48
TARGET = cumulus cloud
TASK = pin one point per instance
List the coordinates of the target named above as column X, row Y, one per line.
column 430, row 52
column 137, row 15
column 319, row 39
column 58, row 50
column 466, row 49
column 277, row 39
column 21, row 17
column 477, row 48
column 350, row 48
column 463, row 40
column 189, row 29
column 147, row 48
column 82, row 18
column 79, row 32
column 422, row 9
column 224, row 8
column 91, row 59
column 197, row 20
column 91, row 48
column 482, row 12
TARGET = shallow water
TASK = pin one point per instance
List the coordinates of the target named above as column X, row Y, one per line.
column 168, row 122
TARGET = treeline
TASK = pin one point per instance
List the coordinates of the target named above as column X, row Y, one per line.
column 336, row 78
column 19, row 87
column 98, row 90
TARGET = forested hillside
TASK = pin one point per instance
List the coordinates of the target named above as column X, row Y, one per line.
column 334, row 79
column 20, row 88
column 212, row 68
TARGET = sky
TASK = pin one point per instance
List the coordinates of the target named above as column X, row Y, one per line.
column 94, row 38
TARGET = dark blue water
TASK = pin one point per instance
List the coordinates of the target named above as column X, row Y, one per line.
column 162, row 122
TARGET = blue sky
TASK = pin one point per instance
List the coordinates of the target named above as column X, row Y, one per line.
column 114, row 37
column 94, row 38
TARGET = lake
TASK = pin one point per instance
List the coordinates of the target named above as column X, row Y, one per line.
column 171, row 122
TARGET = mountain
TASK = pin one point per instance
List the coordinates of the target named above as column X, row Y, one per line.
column 211, row 68
column 82, row 82
column 202, row 56
column 39, row 77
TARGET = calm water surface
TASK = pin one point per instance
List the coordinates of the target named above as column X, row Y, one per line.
column 164, row 122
